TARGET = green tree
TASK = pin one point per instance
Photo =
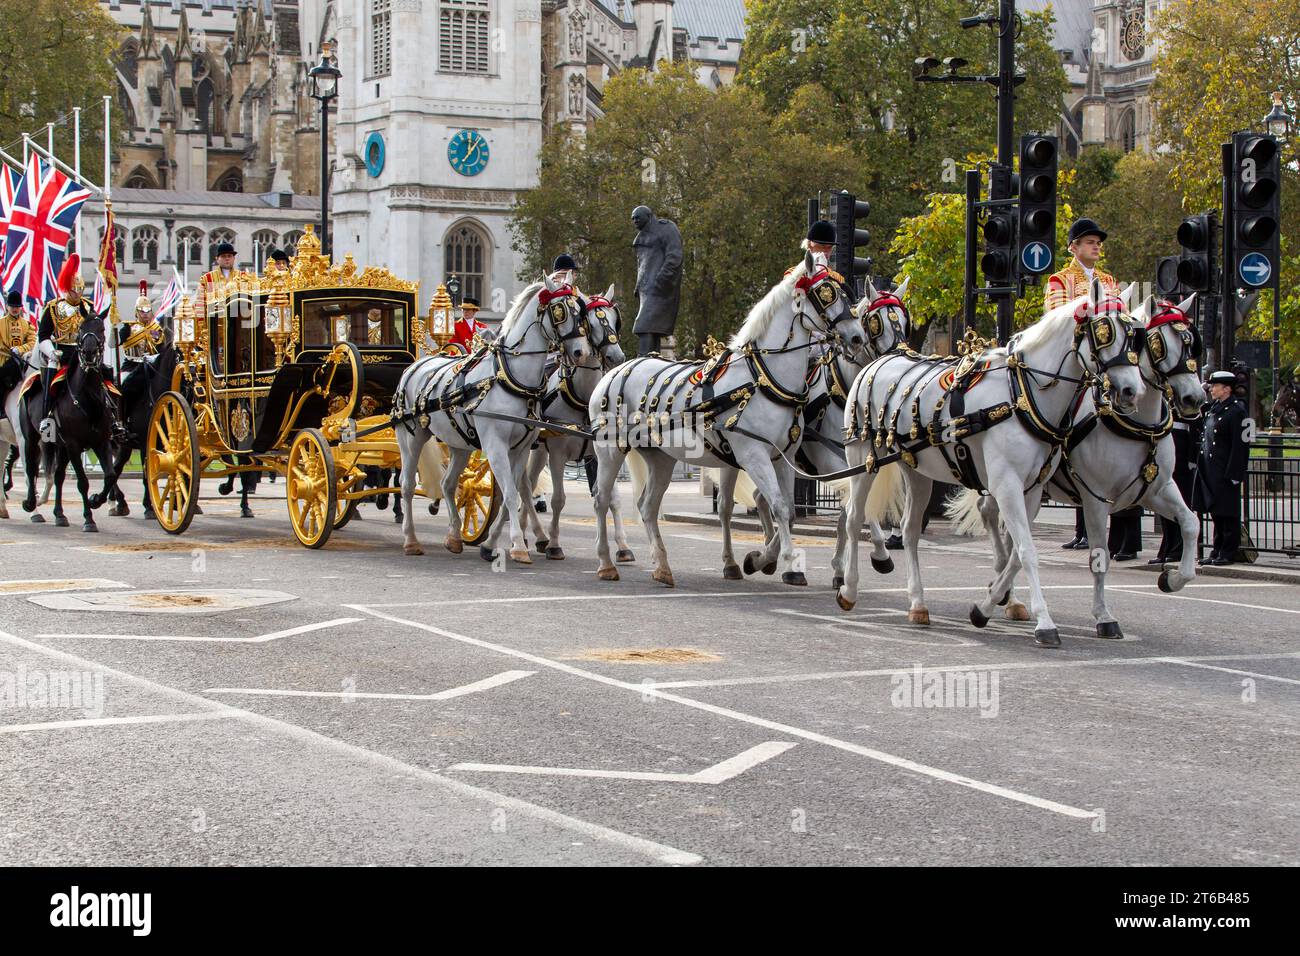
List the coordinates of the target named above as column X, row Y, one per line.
column 907, row 136
column 1140, row 214
column 54, row 55
column 733, row 177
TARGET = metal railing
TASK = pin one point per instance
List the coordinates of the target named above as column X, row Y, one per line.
column 1270, row 500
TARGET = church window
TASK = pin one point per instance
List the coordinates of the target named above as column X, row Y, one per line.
column 263, row 246
column 139, row 179
column 467, row 258
column 463, row 36
column 290, row 243
column 144, row 246
column 1128, row 131
column 381, row 37
column 231, row 182
column 189, row 244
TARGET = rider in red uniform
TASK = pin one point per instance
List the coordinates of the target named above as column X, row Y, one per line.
column 467, row 326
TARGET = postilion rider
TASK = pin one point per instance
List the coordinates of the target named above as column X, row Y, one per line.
column 1086, row 238
column 56, row 333
column 16, row 332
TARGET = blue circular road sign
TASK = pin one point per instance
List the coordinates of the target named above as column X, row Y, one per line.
column 1036, row 257
column 1255, row 269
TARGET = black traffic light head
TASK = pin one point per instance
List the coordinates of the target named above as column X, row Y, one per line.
column 1256, row 210
column 1167, row 282
column 998, row 262
column 1196, row 266
column 848, row 237
column 1035, row 251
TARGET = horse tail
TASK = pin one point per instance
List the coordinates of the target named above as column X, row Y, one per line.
column 745, row 493
column 962, row 508
column 431, row 470
column 887, row 499
column 636, row 467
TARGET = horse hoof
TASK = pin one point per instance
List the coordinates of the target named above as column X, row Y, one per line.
column 769, row 568
column 1163, row 583
column 608, row 574
column 1048, row 637
column 226, row 487
column 486, row 553
column 149, row 515
column 198, row 509
column 732, row 573
column 794, row 577
column 555, row 554
column 837, row 582
column 1016, row 612
column 60, row 521
column 883, row 567
column 664, row 576
column 751, row 562
column 381, row 502
column 29, row 507
column 844, row 603
column 977, row 617
column 521, row 556
column 541, row 545
column 625, row 556
column 90, row 527
column 1006, row 596
column 397, row 518
column 119, row 511
column 1110, row 630
column 412, row 549
column 456, row 545
column 245, row 512
column 38, row 519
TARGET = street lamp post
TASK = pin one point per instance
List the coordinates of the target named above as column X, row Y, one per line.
column 324, row 87
column 1278, row 124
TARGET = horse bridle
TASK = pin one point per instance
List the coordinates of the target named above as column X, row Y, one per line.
column 553, row 308
column 876, row 327
column 599, row 308
column 1190, row 346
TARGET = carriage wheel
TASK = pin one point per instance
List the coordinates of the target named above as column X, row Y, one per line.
column 310, row 488
column 171, row 463
column 347, row 508
column 478, row 498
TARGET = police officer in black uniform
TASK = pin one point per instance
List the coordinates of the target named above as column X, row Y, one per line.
column 1222, row 467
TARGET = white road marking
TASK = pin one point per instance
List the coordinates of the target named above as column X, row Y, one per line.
column 776, row 726
column 383, row 762
column 479, row 686
column 942, row 668
column 880, row 631
column 1184, row 597
column 115, row 721
column 718, row 773
column 1229, row 670
column 302, row 629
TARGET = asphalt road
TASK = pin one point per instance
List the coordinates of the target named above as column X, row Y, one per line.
column 274, row 705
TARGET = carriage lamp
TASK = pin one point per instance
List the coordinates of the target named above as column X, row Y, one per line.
column 1278, row 121
column 185, row 332
column 278, row 316
column 441, row 317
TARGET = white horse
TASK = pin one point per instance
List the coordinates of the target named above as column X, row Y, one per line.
column 478, row 402
column 993, row 421
column 567, row 392
column 740, row 408
column 885, row 324
column 1113, row 461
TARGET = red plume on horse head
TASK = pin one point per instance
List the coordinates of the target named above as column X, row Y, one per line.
column 67, row 275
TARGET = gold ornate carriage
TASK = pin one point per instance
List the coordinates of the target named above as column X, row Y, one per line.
column 294, row 373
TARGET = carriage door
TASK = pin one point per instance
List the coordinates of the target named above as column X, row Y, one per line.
column 238, row 405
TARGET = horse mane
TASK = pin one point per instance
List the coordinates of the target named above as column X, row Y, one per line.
column 517, row 307
column 1045, row 329
column 761, row 315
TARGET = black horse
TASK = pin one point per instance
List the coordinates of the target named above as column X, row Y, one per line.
column 143, row 382
column 84, row 412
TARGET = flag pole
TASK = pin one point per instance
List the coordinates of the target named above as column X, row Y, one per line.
column 76, row 163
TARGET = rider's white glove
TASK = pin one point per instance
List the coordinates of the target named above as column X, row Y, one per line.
column 48, row 352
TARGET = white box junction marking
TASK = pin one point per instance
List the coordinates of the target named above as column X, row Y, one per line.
column 197, row 601
column 718, row 773
column 505, row 677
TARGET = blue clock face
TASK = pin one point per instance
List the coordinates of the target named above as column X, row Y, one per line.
column 468, row 152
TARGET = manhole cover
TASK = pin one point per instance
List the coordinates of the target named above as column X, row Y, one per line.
column 197, row 601
column 653, row 655
column 62, row 584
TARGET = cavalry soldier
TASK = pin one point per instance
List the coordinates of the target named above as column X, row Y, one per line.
column 57, row 332
column 1085, row 238
column 1222, row 467
column 146, row 335
column 16, row 331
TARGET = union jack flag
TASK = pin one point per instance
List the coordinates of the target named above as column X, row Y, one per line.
column 9, row 179
column 171, row 295
column 45, row 208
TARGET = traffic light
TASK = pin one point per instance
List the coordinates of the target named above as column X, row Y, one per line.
column 998, row 262
column 1036, row 236
column 848, row 210
column 1196, row 266
column 1256, row 209
column 1167, row 282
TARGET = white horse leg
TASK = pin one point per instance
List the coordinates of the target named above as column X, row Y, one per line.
column 1006, row 485
column 918, row 499
column 624, row 554
column 496, row 446
column 1095, row 516
column 859, row 487
column 726, row 508
column 764, row 559
column 1003, row 554
column 660, row 466
column 1167, row 502
column 538, row 459
column 450, row 479
column 410, row 444
column 609, row 459
column 557, row 456
column 753, row 458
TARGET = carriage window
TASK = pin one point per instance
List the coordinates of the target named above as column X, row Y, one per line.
column 359, row 321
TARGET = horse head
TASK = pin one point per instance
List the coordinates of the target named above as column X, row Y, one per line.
column 1174, row 349
column 560, row 311
column 90, row 344
column 604, row 322
column 831, row 309
column 886, row 319
column 1105, row 331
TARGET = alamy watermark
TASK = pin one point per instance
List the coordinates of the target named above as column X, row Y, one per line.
column 976, row 689
column 52, row 690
